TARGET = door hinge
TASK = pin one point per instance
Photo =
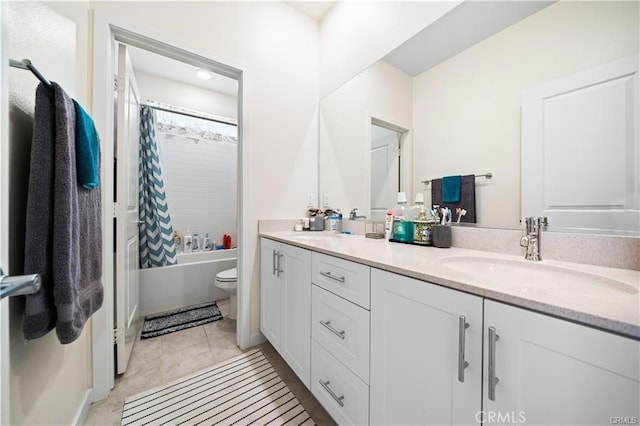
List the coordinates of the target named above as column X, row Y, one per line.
column 118, row 84
column 118, row 210
column 118, row 336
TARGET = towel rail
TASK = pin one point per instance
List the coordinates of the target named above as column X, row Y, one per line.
column 26, row 64
column 487, row 175
column 19, row 285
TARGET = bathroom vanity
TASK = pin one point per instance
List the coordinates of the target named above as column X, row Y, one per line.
column 394, row 334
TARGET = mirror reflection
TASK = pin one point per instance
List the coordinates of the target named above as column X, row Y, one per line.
column 463, row 116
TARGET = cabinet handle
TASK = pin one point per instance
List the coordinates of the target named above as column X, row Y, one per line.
column 278, row 270
column 273, row 261
column 493, row 380
column 328, row 275
column 462, row 364
column 326, row 387
column 327, row 324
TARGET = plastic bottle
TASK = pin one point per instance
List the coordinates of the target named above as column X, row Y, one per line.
column 402, row 221
column 195, row 246
column 187, row 241
column 206, row 242
column 388, row 225
column 421, row 226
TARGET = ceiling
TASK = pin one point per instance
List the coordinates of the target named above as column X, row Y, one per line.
column 150, row 63
column 314, row 9
column 464, row 26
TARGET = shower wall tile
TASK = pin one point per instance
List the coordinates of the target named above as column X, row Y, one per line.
column 201, row 185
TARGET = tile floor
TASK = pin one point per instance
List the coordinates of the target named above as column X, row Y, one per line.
column 159, row 360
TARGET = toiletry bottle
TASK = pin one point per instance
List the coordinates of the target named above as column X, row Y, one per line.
column 402, row 221
column 388, row 225
column 188, row 240
column 206, row 242
column 195, row 245
column 421, row 226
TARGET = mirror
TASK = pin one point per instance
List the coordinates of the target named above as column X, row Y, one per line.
column 463, row 113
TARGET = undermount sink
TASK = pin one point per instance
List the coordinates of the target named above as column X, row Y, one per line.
column 531, row 274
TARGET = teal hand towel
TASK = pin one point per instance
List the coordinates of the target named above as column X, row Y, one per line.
column 87, row 149
column 451, row 189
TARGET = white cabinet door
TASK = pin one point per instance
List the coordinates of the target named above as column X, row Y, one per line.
column 270, row 291
column 295, row 342
column 415, row 348
column 552, row 371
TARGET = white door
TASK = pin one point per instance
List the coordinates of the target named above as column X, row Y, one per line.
column 4, row 223
column 554, row 372
column 270, row 291
column 126, row 211
column 295, row 343
column 385, row 170
column 568, row 127
column 419, row 347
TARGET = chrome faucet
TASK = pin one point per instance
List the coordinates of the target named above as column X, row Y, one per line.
column 353, row 215
column 532, row 240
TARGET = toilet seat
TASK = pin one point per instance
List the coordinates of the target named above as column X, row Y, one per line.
column 229, row 275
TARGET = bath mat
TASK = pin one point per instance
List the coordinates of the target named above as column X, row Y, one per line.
column 239, row 391
column 168, row 322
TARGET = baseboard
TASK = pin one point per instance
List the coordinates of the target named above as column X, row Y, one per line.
column 83, row 411
column 256, row 339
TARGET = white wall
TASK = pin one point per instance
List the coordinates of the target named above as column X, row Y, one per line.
column 49, row 382
column 185, row 95
column 276, row 47
column 467, row 109
column 355, row 34
column 201, row 185
column 381, row 91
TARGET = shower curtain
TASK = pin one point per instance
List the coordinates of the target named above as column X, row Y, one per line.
column 157, row 247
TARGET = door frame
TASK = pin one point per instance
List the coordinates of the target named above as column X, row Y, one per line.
column 406, row 153
column 105, row 35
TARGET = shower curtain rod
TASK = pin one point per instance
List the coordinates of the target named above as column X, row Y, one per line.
column 26, row 64
column 160, row 108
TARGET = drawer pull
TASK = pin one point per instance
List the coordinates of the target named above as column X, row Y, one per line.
column 326, row 387
column 327, row 324
column 493, row 380
column 333, row 277
column 462, row 364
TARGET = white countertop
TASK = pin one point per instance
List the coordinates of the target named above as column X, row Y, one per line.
column 612, row 304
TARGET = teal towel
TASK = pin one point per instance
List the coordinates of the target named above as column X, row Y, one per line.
column 451, row 189
column 87, row 149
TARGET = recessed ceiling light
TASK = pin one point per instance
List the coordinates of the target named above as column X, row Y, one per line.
column 205, row 75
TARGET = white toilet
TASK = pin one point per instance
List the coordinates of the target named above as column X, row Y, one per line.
column 228, row 281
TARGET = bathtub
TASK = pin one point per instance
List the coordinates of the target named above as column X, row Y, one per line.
column 190, row 282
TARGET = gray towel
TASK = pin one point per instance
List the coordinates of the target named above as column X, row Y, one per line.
column 64, row 229
column 467, row 198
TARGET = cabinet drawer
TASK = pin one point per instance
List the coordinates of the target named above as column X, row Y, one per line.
column 340, row 392
column 342, row 277
column 342, row 328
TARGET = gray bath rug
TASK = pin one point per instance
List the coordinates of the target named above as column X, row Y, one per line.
column 239, row 391
column 180, row 319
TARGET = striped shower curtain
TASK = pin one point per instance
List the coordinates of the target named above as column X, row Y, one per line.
column 157, row 247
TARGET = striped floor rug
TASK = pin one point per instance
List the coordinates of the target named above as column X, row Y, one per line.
column 240, row 391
